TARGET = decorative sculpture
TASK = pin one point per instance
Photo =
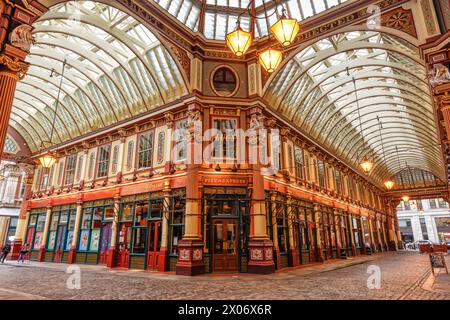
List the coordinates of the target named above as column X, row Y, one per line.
column 439, row 75
column 22, row 37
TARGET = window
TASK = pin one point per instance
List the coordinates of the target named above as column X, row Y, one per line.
column 224, row 82
column 290, row 158
column 307, row 168
column 276, row 150
column 103, row 161
column 79, row 167
column 177, row 219
column 130, row 152
column 224, row 139
column 45, row 179
column 145, row 150
column 115, row 159
column 299, row 162
column 282, row 226
column 321, row 172
column 60, row 172
column 70, row 169
column 180, row 141
column 442, row 203
column 160, row 152
column 338, row 181
column 91, row 165
column 91, row 223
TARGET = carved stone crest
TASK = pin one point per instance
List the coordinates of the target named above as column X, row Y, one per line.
column 22, row 37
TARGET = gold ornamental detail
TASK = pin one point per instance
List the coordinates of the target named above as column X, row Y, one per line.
column 15, row 65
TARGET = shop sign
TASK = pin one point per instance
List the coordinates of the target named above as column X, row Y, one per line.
column 437, row 261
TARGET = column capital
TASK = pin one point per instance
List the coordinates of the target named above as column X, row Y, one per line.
column 13, row 65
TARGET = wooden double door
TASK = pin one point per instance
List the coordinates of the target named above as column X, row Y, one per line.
column 154, row 245
column 105, row 242
column 225, row 245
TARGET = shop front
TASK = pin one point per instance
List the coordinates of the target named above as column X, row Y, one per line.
column 226, row 230
column 94, row 239
column 302, row 222
column 60, row 235
column 35, row 231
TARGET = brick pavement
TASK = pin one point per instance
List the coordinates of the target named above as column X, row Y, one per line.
column 403, row 276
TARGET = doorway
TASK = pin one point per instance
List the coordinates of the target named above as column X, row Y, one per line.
column 154, row 244
column 225, row 239
column 105, row 242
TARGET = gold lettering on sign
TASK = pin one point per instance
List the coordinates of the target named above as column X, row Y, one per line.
column 240, row 181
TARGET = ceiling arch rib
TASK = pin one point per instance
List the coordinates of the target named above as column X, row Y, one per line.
column 315, row 90
column 81, row 117
column 116, row 68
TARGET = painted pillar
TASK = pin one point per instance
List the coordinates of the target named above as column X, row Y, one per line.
column 163, row 252
column 352, row 234
column 294, row 256
column 276, row 249
column 19, row 237
column 190, row 248
column 397, row 229
column 8, row 81
column 111, row 257
column 392, row 241
column 337, row 230
column 319, row 253
column 372, row 238
column 379, row 244
column 76, row 232
column 261, row 248
column 41, row 253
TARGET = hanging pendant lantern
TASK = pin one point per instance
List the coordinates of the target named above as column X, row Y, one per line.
column 405, row 198
column 285, row 30
column 366, row 165
column 389, row 184
column 239, row 41
column 47, row 160
column 270, row 59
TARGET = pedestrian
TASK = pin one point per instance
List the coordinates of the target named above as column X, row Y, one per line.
column 23, row 253
column 5, row 251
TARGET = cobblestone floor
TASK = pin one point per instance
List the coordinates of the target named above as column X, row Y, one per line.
column 404, row 275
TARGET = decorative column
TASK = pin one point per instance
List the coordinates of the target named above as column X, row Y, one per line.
column 276, row 249
column 397, row 229
column 352, row 234
column 372, row 238
column 190, row 248
column 76, row 232
column 111, row 257
column 337, row 230
column 260, row 246
column 15, row 42
column 291, row 217
column 48, row 216
column 392, row 241
column 163, row 252
column 21, row 228
column 318, row 249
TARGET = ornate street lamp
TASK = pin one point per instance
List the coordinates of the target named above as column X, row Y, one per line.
column 47, row 160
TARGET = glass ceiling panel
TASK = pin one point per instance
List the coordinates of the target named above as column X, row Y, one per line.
column 221, row 15
column 115, row 68
column 391, row 105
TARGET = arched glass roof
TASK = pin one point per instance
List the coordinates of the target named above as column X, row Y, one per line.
column 315, row 91
column 220, row 16
column 116, row 68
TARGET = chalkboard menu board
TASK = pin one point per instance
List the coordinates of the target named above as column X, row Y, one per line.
column 438, row 261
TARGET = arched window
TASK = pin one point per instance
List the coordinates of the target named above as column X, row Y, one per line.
column 91, row 165
column 160, row 154
column 130, row 152
column 115, row 159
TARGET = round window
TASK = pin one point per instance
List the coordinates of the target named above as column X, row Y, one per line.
column 224, row 82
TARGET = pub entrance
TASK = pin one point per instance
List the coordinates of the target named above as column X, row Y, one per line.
column 226, row 229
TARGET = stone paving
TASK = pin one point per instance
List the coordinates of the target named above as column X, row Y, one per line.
column 404, row 275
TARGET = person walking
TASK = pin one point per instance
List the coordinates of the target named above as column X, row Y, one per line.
column 5, row 251
column 23, row 253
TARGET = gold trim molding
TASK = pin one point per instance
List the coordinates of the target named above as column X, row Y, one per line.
column 15, row 65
